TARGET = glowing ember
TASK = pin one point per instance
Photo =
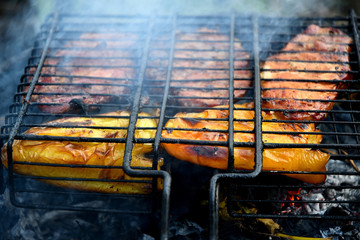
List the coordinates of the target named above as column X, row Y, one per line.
column 337, row 193
column 290, row 202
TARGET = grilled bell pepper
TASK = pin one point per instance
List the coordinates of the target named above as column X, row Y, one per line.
column 85, row 153
column 208, row 126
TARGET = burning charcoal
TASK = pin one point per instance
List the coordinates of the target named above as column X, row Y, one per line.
column 336, row 211
column 314, row 208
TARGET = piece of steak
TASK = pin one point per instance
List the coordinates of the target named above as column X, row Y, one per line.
column 200, row 69
column 318, row 59
column 93, row 69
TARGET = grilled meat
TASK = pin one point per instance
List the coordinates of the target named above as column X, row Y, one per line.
column 200, row 70
column 107, row 154
column 94, row 69
column 319, row 59
column 209, row 126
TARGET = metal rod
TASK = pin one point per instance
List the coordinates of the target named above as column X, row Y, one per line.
column 314, row 216
column 214, row 208
column 130, row 139
column 24, row 108
column 355, row 30
column 214, row 183
column 156, row 145
column 78, row 208
column 257, row 101
column 231, row 96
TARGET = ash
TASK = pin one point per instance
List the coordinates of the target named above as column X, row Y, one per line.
column 37, row 224
column 336, row 201
column 332, row 198
column 339, row 233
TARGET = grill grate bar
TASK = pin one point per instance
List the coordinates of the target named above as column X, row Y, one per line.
column 355, row 30
column 166, row 90
column 84, row 209
column 167, row 179
column 292, row 186
column 130, row 138
column 295, row 201
column 309, row 80
column 83, row 179
column 87, row 77
column 231, row 95
column 25, row 105
column 74, row 166
column 314, row 216
column 214, row 183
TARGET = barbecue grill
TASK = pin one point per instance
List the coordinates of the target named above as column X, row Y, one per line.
column 154, row 49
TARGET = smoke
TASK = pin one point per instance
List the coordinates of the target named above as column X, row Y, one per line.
column 287, row 8
column 17, row 31
column 22, row 22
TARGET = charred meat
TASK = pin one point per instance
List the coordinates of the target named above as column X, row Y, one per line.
column 301, row 82
column 200, row 70
column 93, row 69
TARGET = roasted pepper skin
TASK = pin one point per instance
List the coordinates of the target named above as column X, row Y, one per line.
column 85, row 153
column 278, row 159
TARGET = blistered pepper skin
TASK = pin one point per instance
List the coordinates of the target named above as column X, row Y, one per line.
column 105, row 154
column 278, row 159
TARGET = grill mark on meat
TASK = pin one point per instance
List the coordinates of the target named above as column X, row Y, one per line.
column 326, row 55
column 67, row 80
column 209, row 152
column 200, row 70
column 190, row 121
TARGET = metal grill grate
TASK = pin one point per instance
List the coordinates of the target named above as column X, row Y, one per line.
column 166, row 65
